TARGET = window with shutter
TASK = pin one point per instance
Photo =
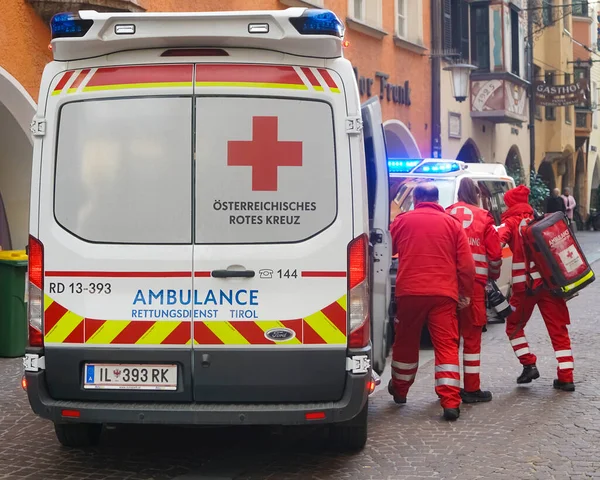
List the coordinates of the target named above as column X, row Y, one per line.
column 447, row 25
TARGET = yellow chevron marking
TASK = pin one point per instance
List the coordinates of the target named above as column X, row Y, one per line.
column 343, row 303
column 47, row 302
column 269, row 324
column 63, row 328
column 157, row 333
column 108, row 331
column 325, row 328
column 227, row 333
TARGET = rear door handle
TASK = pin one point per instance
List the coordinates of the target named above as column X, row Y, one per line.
column 233, row 273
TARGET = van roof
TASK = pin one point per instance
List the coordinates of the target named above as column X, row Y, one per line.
column 297, row 31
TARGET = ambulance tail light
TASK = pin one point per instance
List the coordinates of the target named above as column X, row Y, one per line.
column 318, row 22
column 358, row 292
column 36, row 292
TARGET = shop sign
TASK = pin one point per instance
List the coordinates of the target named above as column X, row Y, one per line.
column 560, row 95
column 395, row 93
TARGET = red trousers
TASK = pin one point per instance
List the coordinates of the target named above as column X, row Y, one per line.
column 471, row 321
column 556, row 317
column 440, row 315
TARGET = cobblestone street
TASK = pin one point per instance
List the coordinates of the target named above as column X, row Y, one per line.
column 530, row 431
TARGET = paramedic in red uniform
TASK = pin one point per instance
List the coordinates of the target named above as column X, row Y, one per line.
column 435, row 276
column 487, row 255
column 528, row 291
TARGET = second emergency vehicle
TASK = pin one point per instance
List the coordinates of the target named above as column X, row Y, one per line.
column 209, row 225
column 492, row 180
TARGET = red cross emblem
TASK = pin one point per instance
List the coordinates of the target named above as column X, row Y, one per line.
column 264, row 153
column 463, row 215
column 570, row 254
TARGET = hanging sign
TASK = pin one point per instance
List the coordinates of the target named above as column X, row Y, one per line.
column 560, row 95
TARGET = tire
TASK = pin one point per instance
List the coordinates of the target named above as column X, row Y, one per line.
column 78, row 435
column 351, row 436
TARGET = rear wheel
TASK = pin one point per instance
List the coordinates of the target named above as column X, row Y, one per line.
column 351, row 436
column 78, row 434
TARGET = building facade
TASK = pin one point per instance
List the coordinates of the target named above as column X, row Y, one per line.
column 389, row 45
column 593, row 156
column 490, row 125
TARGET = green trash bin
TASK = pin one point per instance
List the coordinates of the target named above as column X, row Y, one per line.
column 13, row 310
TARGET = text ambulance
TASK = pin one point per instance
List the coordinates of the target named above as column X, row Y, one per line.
column 201, row 242
column 492, row 180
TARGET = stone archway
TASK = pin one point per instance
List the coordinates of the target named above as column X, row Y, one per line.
column 546, row 171
column 566, row 172
column 400, row 142
column 469, row 153
column 514, row 164
column 17, row 109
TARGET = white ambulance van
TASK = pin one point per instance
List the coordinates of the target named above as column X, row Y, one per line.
column 209, row 219
column 491, row 178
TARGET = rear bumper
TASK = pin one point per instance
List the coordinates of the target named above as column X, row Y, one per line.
column 354, row 397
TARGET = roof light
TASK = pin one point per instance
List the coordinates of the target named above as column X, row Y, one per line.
column 64, row 25
column 402, row 166
column 318, row 22
column 438, row 167
column 125, row 29
column 258, row 28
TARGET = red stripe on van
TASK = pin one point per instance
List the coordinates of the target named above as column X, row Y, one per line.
column 311, row 77
column 91, row 327
column 251, row 332
column 133, row 332
column 328, row 80
column 63, row 81
column 247, row 74
column 324, row 274
column 52, row 315
column 337, row 315
column 76, row 336
column 204, row 336
column 79, row 79
column 180, row 336
column 310, row 337
column 141, row 74
column 120, row 274
column 202, row 274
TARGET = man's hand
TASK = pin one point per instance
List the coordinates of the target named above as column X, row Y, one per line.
column 463, row 302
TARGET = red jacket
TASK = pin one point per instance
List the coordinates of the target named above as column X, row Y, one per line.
column 514, row 219
column 483, row 239
column 434, row 258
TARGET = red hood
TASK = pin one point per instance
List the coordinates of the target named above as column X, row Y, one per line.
column 517, row 195
column 518, row 210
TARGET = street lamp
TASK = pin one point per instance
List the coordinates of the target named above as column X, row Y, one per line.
column 460, row 79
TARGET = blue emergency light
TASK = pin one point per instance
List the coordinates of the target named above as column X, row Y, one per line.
column 64, row 25
column 318, row 22
column 438, row 167
column 402, row 166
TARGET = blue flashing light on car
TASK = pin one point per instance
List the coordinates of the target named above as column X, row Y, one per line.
column 402, row 166
column 65, row 25
column 318, row 22
column 438, row 167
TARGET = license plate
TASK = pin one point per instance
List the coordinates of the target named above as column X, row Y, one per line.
column 110, row 376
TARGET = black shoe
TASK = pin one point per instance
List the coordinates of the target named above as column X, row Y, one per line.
column 484, row 329
column 564, row 386
column 398, row 399
column 451, row 414
column 476, row 397
column 530, row 372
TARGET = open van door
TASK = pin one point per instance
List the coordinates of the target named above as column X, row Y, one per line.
column 379, row 220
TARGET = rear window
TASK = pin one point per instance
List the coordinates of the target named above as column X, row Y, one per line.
column 492, row 197
column 266, row 169
column 124, row 170
column 404, row 199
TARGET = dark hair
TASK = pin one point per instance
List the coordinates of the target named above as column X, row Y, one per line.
column 426, row 192
column 468, row 192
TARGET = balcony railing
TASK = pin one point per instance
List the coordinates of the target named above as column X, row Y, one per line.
column 47, row 8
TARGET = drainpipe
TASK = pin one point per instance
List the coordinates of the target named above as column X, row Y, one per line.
column 532, row 80
column 436, row 62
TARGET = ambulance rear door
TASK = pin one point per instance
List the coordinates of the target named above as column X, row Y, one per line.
column 115, row 223
column 379, row 218
column 273, row 221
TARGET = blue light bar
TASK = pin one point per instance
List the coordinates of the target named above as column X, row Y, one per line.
column 438, row 167
column 65, row 25
column 402, row 166
column 318, row 22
